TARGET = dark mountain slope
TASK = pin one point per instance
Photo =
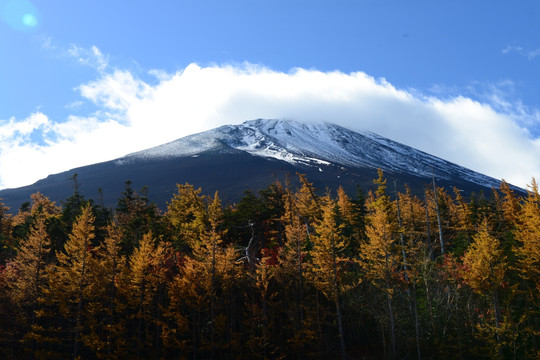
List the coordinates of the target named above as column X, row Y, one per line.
column 232, row 159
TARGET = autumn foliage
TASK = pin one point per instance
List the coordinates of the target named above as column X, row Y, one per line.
column 285, row 273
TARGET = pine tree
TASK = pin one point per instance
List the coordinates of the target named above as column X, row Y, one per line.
column 136, row 216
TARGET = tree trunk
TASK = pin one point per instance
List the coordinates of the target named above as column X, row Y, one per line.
column 390, row 314
column 412, row 301
column 438, row 217
column 392, row 327
column 497, row 314
column 338, row 308
column 80, row 304
column 428, row 230
column 212, row 298
column 340, row 329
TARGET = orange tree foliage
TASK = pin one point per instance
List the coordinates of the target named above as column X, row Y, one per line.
column 286, row 274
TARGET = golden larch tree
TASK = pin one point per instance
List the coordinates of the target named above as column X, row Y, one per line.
column 379, row 256
column 484, row 271
column 69, row 281
column 328, row 265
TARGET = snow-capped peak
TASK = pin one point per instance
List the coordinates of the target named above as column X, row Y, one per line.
column 314, row 144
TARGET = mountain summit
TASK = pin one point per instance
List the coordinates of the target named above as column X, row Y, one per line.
column 234, row 158
column 315, row 145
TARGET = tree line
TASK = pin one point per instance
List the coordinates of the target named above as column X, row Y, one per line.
column 284, row 273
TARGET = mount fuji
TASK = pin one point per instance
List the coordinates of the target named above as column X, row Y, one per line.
column 250, row 156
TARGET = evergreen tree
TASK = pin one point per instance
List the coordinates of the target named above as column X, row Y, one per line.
column 136, row 216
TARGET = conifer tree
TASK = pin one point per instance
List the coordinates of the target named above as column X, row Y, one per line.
column 378, row 256
column 69, row 281
column 107, row 330
column 464, row 216
column 7, row 245
column 410, row 250
column 349, row 217
column 40, row 206
column 292, row 261
column 510, row 205
column 273, row 202
column 528, row 262
column 484, row 272
column 148, row 274
column 27, row 277
column 30, row 274
column 186, row 214
column 328, row 263
column 206, row 284
column 528, row 234
column 136, row 216
column 308, row 203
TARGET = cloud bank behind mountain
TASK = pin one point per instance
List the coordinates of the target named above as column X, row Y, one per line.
column 132, row 114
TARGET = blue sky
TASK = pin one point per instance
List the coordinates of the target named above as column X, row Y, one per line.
column 457, row 78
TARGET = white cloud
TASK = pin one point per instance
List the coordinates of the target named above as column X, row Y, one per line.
column 529, row 54
column 19, row 131
column 134, row 115
column 76, row 142
column 92, row 57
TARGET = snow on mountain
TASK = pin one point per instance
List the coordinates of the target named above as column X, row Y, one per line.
column 314, row 145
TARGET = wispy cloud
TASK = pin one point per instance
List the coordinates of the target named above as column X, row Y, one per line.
column 503, row 96
column 134, row 115
column 92, row 57
column 529, row 54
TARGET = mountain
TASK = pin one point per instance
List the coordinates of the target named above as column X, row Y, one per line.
column 234, row 158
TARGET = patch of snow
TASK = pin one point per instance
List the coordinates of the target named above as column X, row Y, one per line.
column 313, row 145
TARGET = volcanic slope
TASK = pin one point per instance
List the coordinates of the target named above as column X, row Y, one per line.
column 250, row 156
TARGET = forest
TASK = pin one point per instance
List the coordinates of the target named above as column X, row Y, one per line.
column 289, row 272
